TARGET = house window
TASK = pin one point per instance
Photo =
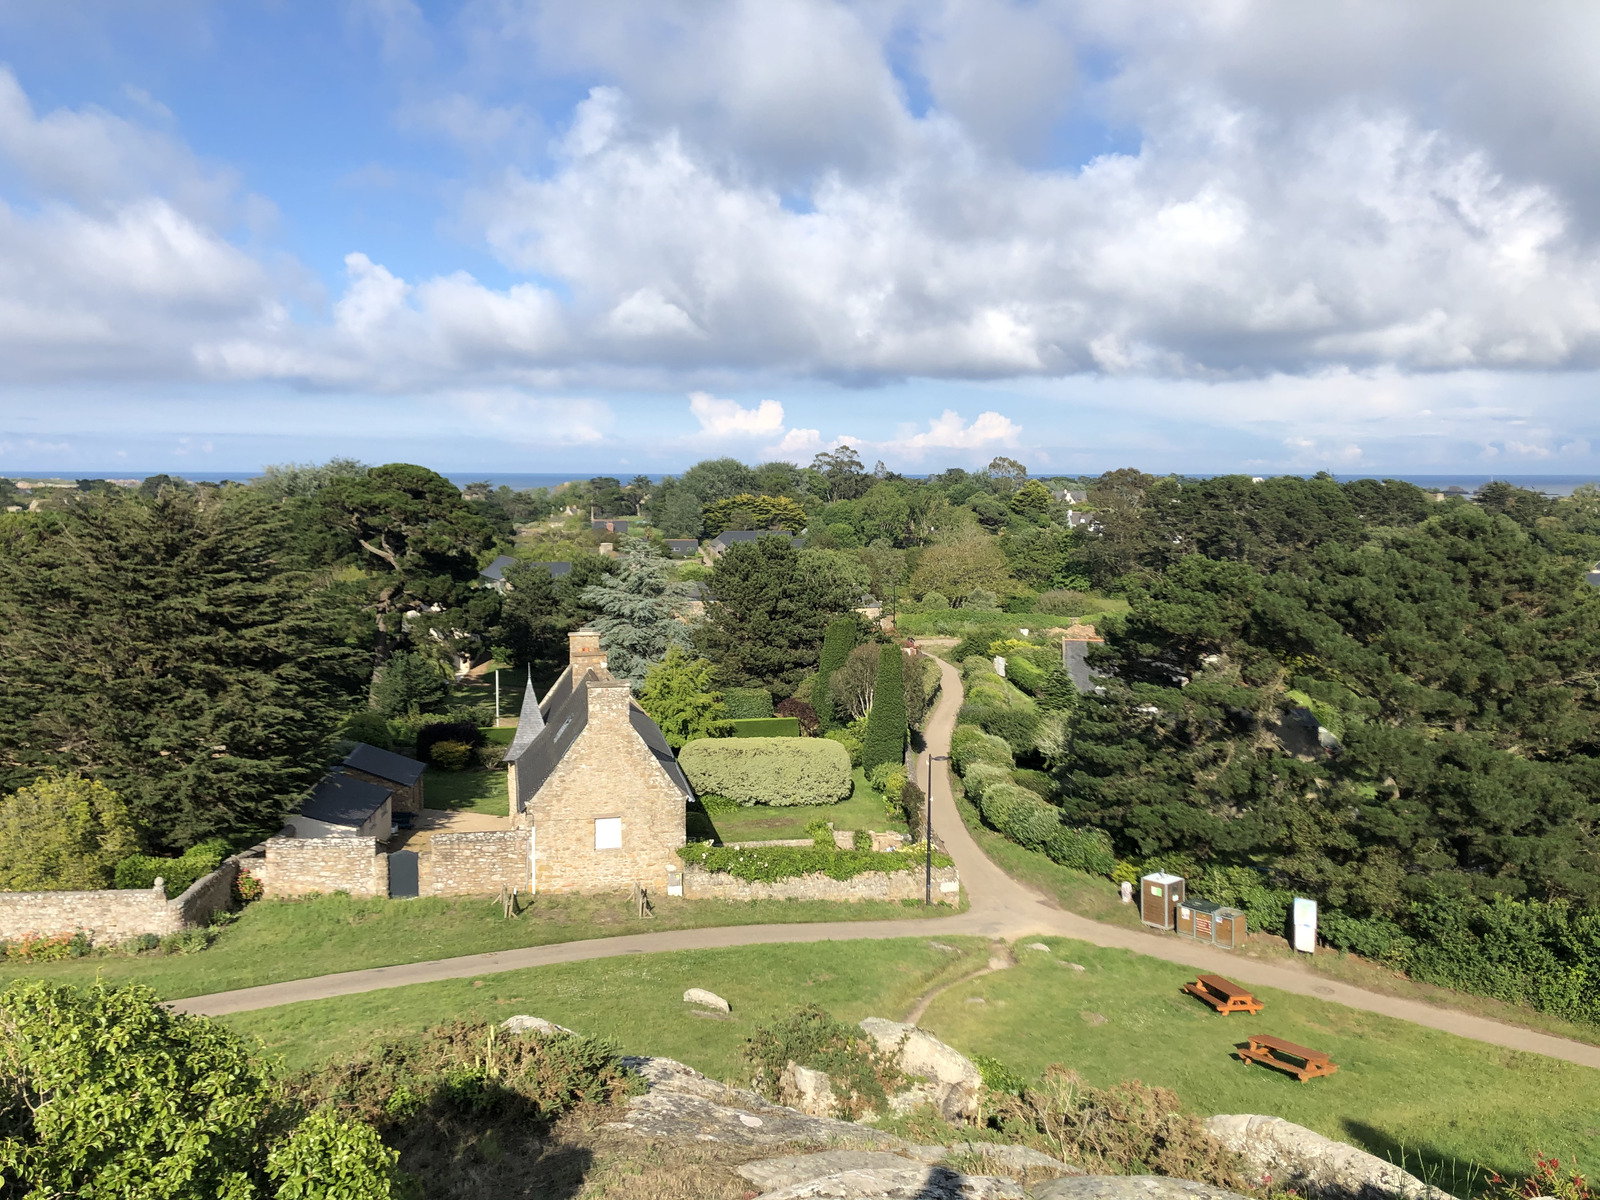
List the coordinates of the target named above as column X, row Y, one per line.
column 608, row 833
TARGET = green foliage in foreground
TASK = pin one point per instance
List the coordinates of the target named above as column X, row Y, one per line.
column 176, row 874
column 768, row 864
column 861, row 1074
column 109, row 1095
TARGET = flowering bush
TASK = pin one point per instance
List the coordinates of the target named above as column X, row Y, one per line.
column 32, row 948
column 246, row 888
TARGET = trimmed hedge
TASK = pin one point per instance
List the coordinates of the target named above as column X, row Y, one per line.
column 850, row 742
column 177, row 874
column 777, row 771
column 969, row 744
column 769, row 864
column 779, row 727
column 982, row 776
column 1087, row 850
column 746, row 703
column 1020, row 815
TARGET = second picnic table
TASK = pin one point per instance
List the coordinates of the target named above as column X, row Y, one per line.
column 1300, row 1061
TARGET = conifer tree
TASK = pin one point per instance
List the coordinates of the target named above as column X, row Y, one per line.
column 886, row 723
column 639, row 610
column 680, row 697
column 837, row 643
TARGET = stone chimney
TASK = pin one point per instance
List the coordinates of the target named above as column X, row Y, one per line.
column 583, row 652
column 608, row 704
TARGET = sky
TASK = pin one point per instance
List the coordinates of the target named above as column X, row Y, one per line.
column 1190, row 235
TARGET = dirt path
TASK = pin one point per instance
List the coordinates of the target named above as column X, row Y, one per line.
column 1001, row 909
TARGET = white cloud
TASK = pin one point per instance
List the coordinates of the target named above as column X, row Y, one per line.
column 987, row 431
column 727, row 418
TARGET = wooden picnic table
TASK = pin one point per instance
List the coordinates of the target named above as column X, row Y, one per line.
column 1222, row 995
column 1300, row 1061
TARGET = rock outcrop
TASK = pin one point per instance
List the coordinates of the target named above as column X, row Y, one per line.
column 523, row 1023
column 945, row 1078
column 852, row 1174
column 809, row 1091
column 1292, row 1156
column 1129, row 1187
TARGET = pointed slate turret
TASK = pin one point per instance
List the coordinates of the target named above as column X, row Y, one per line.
column 529, row 725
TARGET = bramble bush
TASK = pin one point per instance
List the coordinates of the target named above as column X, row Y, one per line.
column 775, row 771
column 862, row 1076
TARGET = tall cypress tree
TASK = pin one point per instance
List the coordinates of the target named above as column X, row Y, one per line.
column 886, row 723
column 837, row 643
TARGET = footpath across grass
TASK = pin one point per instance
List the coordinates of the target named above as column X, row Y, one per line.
column 864, row 809
column 638, row 1000
column 278, row 940
column 1442, row 1100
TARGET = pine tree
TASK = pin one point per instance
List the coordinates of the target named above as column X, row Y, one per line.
column 837, row 643
column 638, row 612
column 886, row 723
column 678, row 694
column 163, row 648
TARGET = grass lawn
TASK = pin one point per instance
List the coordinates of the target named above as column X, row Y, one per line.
column 1399, row 1086
column 958, row 622
column 467, row 791
column 863, row 810
column 638, row 1000
column 275, row 940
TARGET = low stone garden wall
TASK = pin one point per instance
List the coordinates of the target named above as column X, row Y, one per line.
column 114, row 915
column 474, row 864
column 303, row 866
column 701, row 884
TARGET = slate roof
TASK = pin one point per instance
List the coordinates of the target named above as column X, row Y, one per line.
column 342, row 799
column 729, row 536
column 529, row 724
column 567, row 717
column 609, row 526
column 385, row 764
column 495, row 571
column 682, row 545
column 1075, row 657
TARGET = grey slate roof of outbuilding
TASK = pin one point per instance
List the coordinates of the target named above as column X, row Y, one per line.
column 682, row 545
column 729, row 536
column 567, row 718
column 342, row 799
column 495, row 571
column 385, row 764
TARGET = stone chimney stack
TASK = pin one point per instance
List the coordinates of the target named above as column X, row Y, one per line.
column 583, row 652
column 608, row 704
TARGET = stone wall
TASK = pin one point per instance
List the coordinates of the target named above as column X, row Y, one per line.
column 474, row 864
column 608, row 771
column 303, row 866
column 115, row 914
column 700, row 884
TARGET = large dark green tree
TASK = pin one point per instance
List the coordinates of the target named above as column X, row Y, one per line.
column 765, row 623
column 166, row 650
column 837, row 643
column 886, row 723
column 638, row 612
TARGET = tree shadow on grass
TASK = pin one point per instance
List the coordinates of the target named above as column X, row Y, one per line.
column 1460, row 1177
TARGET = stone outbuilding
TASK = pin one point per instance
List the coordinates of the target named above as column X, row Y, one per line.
column 345, row 806
column 402, row 775
column 595, row 783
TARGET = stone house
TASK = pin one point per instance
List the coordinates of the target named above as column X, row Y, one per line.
column 594, row 782
column 345, row 806
column 401, row 775
column 682, row 547
column 717, row 546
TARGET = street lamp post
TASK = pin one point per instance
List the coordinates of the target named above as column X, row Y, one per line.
column 927, row 828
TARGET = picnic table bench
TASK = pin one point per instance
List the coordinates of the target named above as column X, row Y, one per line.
column 1287, row 1057
column 1222, row 995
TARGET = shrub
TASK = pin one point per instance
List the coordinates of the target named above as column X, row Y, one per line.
column 492, row 756
column 982, row 776
column 369, row 727
column 1029, row 821
column 802, row 713
column 247, row 888
column 970, row 744
column 178, row 874
column 1025, row 674
column 887, row 728
column 715, row 804
column 1063, row 602
column 776, row 771
column 762, row 727
column 466, row 733
column 850, row 742
column 935, row 602
column 1018, row 728
column 63, row 833
column 1087, row 850
column 33, row 948
column 912, row 802
column 409, row 683
column 1035, row 781
column 861, row 1074
column 837, row 643
column 747, row 703
column 190, row 941
column 996, row 804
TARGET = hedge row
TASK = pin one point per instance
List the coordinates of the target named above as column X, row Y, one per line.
column 777, row 727
column 769, row 864
column 780, row 771
column 177, row 874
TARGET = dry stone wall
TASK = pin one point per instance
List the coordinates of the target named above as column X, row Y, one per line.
column 114, row 915
column 474, row 864
column 701, row 884
column 303, row 866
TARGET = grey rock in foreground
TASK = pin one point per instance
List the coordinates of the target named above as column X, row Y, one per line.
column 1128, row 1187
column 809, row 1091
column 947, row 1079
column 1316, row 1166
column 523, row 1023
column 904, row 1181
column 706, row 999
column 684, row 1106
